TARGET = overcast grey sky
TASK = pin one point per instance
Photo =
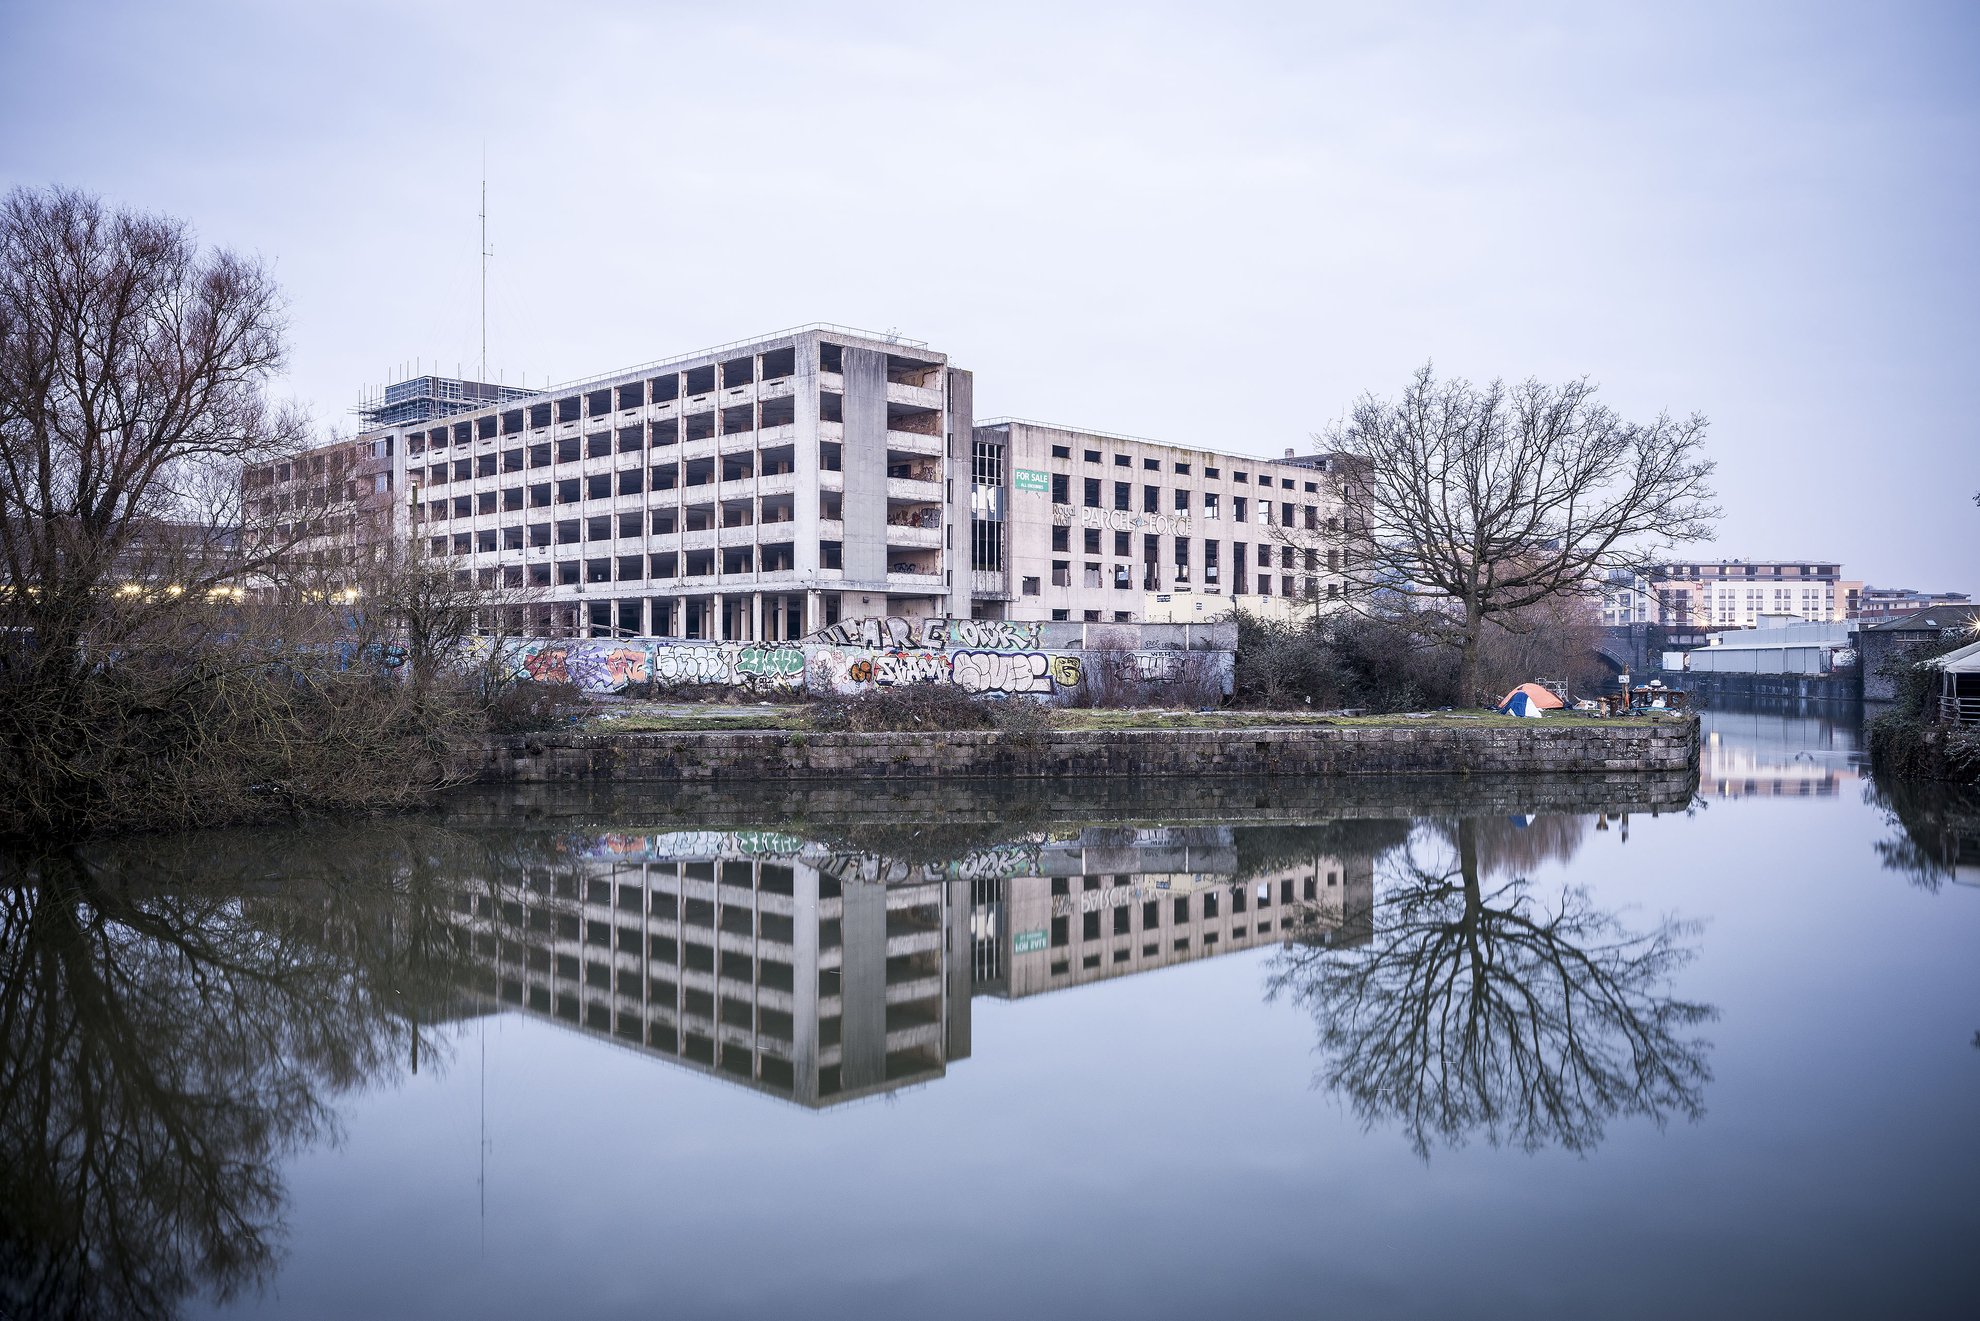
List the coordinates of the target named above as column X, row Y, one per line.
column 1211, row 224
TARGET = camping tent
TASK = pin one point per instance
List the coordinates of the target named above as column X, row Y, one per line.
column 1529, row 699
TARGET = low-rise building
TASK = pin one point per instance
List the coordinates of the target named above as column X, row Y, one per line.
column 1884, row 644
column 1880, row 603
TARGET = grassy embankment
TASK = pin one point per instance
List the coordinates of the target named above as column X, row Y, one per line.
column 634, row 718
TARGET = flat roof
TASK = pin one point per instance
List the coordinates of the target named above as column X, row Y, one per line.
column 1306, row 461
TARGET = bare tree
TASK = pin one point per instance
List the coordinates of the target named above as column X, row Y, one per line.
column 1487, row 501
column 140, row 681
column 427, row 616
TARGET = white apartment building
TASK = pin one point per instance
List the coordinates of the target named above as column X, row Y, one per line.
column 765, row 489
column 1627, row 598
column 1717, row 594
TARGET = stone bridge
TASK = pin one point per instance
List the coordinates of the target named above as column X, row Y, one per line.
column 1627, row 647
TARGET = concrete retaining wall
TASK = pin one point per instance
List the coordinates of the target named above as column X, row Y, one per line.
column 1533, row 748
column 1723, row 687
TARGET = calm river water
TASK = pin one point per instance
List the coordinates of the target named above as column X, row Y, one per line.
column 1187, row 1049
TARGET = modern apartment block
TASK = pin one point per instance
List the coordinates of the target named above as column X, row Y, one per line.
column 1882, row 603
column 1716, row 594
column 1073, row 524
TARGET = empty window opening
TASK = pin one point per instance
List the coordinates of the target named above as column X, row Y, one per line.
column 780, row 412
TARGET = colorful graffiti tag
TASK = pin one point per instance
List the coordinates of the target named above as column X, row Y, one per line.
column 608, row 666
column 892, row 632
column 988, row 656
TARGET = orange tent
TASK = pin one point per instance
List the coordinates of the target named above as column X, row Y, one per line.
column 1535, row 694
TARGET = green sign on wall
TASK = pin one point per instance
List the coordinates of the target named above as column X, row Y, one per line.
column 1028, row 942
column 1030, row 480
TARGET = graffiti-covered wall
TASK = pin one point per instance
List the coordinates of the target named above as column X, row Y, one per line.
column 1050, row 660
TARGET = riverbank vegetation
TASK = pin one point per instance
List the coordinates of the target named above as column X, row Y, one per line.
column 173, row 650
column 1907, row 742
column 1380, row 658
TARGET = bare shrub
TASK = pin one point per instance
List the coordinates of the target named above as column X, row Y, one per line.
column 1024, row 722
column 1116, row 677
column 901, row 707
column 528, row 707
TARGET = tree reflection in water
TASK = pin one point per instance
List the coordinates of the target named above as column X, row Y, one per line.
column 165, row 1040
column 1937, row 836
column 1476, row 1004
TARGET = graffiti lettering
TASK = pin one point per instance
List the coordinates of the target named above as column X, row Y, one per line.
column 894, row 667
column 1121, row 520
column 894, row 633
column 1003, row 671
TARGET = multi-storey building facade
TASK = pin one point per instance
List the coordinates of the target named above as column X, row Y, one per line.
column 1085, row 525
column 758, row 490
column 1715, row 594
column 766, row 489
column 1627, row 598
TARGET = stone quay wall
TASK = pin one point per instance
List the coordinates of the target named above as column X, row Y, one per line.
column 1531, row 748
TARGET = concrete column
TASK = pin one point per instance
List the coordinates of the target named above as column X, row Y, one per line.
column 814, row 611
column 714, row 629
column 756, row 616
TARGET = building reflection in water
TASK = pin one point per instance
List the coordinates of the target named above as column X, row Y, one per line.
column 823, row 974
column 1765, row 754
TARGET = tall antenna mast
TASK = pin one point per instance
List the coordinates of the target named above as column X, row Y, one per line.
column 484, row 264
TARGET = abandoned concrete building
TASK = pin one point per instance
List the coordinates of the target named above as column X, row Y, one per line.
column 768, row 488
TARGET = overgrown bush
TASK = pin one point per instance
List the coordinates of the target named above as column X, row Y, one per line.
column 900, row 707
column 1906, row 742
column 931, row 707
column 1404, row 662
column 1023, row 721
column 1340, row 660
column 1115, row 677
column 204, row 737
column 527, row 707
